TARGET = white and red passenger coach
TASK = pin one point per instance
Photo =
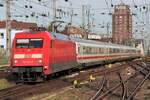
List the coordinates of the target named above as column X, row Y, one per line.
column 35, row 55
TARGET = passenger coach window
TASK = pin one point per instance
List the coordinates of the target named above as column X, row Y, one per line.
column 29, row 43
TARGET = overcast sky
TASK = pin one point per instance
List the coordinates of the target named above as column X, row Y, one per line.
column 33, row 10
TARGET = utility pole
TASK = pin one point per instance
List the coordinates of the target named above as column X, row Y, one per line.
column 83, row 16
column 54, row 15
column 88, row 18
column 8, row 28
column 108, row 25
column 71, row 15
column 83, row 22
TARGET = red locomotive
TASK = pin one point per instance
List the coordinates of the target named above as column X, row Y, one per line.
column 35, row 55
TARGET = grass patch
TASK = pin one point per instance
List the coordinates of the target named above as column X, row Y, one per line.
column 61, row 95
column 68, row 95
column 3, row 57
column 5, row 84
column 71, row 94
column 3, row 61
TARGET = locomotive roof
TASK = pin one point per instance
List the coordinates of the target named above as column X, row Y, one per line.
column 59, row 36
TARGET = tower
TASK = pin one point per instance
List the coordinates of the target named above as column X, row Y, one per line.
column 122, row 24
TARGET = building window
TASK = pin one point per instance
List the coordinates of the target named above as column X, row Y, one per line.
column 120, row 28
column 120, row 16
column 1, row 35
column 2, row 46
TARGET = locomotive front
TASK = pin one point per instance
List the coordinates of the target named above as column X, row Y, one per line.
column 29, row 59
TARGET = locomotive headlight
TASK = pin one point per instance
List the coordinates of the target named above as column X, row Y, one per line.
column 15, row 61
column 40, row 61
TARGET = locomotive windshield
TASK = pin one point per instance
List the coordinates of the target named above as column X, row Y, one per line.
column 29, row 43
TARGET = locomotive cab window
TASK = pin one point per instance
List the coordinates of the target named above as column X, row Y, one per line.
column 36, row 43
column 22, row 43
column 29, row 43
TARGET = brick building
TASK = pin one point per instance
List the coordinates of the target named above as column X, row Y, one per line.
column 73, row 31
column 122, row 24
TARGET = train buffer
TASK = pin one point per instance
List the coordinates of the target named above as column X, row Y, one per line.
column 92, row 78
column 76, row 83
column 110, row 66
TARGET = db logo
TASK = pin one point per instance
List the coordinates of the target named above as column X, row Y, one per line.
column 28, row 56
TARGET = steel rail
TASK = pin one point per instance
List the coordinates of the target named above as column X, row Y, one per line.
column 145, row 66
column 138, row 87
column 115, row 87
column 16, row 90
column 122, row 83
column 101, row 88
column 123, row 87
column 10, row 88
column 141, row 71
column 10, row 91
column 97, row 72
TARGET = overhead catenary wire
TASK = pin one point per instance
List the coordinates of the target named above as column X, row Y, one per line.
column 27, row 10
column 108, row 6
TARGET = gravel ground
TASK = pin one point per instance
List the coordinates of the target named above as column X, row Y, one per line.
column 85, row 92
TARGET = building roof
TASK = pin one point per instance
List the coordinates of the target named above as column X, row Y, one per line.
column 18, row 25
column 74, row 30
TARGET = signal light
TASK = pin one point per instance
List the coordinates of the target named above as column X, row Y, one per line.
column 16, row 61
column 40, row 61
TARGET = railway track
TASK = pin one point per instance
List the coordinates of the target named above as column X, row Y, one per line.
column 144, row 70
column 21, row 91
column 102, row 91
column 101, row 96
column 24, row 90
column 98, row 93
column 7, row 93
column 4, row 71
column 96, row 72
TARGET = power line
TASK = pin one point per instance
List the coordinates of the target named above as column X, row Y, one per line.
column 107, row 5
column 39, row 18
column 28, row 10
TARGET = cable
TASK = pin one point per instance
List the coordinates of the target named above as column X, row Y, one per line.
column 121, row 1
column 39, row 19
column 50, row 7
column 28, row 1
column 28, row 10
